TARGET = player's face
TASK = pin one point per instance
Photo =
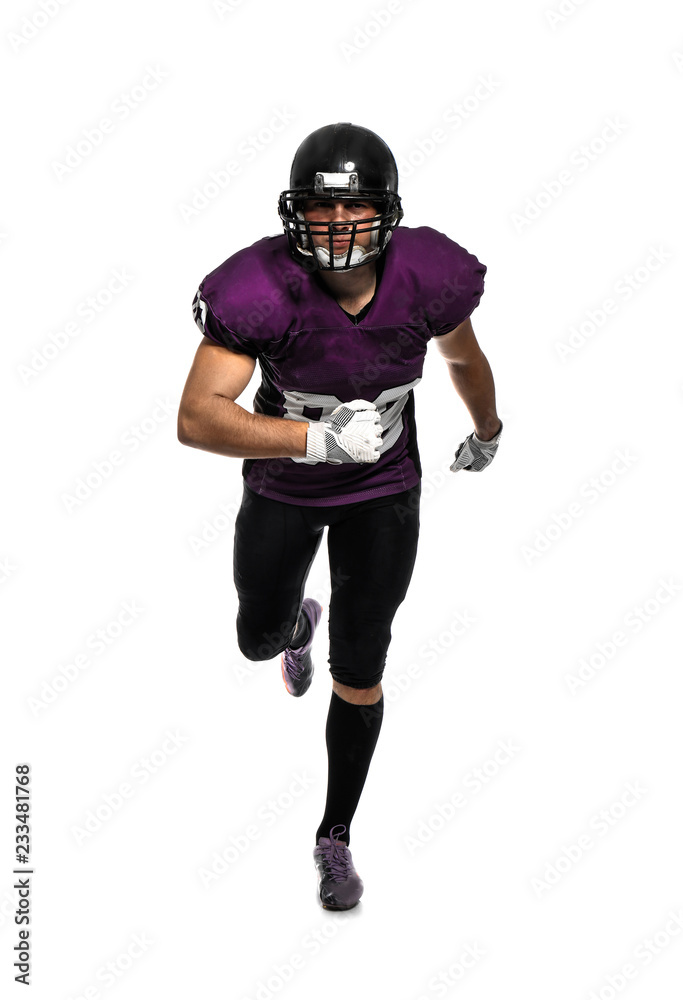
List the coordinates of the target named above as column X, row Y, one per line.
column 339, row 215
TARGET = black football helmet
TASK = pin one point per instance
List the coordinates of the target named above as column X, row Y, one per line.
column 341, row 162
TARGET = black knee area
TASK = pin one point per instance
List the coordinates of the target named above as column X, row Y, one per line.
column 256, row 643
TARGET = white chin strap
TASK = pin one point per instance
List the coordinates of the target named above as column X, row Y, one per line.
column 323, row 255
column 357, row 254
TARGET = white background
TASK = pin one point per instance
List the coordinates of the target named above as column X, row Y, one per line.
column 548, row 566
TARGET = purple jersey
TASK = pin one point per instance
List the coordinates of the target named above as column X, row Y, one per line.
column 313, row 357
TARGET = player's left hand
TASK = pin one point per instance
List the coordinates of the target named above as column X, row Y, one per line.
column 473, row 454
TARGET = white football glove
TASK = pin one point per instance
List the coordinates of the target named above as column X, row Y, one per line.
column 473, row 455
column 352, row 433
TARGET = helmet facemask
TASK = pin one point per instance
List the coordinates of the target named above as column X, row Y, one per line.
column 323, row 257
column 341, row 162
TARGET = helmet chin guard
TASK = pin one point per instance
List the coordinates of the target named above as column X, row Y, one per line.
column 344, row 261
column 341, row 162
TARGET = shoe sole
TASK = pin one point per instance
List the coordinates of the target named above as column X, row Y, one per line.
column 329, row 906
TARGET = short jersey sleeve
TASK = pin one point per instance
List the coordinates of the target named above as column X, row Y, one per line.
column 468, row 286
column 242, row 304
column 453, row 282
column 213, row 328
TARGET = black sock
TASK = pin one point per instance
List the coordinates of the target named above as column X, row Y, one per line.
column 302, row 632
column 351, row 735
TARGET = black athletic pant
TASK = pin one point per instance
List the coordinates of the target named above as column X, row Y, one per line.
column 372, row 546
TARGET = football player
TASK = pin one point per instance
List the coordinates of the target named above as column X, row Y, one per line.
column 338, row 312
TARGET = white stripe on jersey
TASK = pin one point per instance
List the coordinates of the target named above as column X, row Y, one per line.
column 389, row 415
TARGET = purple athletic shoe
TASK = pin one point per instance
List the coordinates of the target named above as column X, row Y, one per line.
column 339, row 884
column 297, row 665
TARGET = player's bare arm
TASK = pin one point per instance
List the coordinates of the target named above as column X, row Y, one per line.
column 472, row 378
column 210, row 419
